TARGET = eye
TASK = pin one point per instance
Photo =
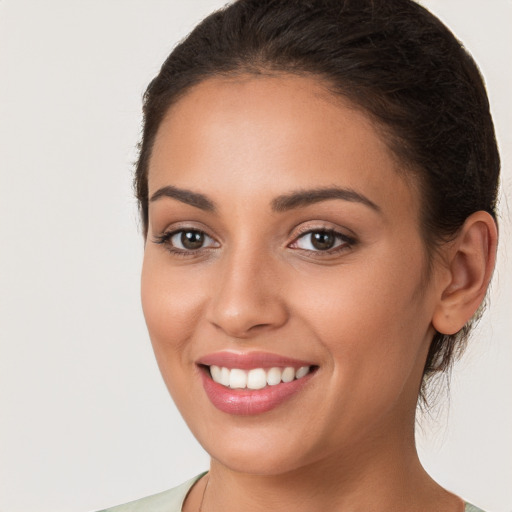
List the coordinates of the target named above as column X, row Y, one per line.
column 186, row 240
column 189, row 240
column 322, row 240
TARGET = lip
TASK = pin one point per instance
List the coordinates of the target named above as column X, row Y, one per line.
column 246, row 402
column 250, row 360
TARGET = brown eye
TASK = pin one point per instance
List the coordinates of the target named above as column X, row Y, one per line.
column 186, row 240
column 323, row 240
column 192, row 240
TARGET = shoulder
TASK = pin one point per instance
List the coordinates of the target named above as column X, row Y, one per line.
column 167, row 501
column 172, row 500
column 472, row 508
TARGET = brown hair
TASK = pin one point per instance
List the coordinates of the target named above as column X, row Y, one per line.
column 391, row 58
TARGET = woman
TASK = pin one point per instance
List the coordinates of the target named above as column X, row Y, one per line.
column 317, row 181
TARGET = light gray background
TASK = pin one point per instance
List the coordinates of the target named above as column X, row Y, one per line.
column 85, row 420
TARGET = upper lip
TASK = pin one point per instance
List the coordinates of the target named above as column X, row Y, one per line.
column 249, row 360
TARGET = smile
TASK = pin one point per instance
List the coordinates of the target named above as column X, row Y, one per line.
column 257, row 378
column 252, row 383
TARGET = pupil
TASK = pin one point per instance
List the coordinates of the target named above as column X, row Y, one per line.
column 322, row 240
column 192, row 239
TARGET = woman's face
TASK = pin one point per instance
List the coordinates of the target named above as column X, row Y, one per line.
column 282, row 236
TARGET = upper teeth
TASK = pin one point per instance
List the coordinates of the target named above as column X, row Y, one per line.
column 256, row 378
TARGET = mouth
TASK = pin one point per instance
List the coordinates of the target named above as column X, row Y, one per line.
column 257, row 378
column 254, row 383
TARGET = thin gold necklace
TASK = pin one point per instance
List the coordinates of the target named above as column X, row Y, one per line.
column 204, row 493
column 208, row 481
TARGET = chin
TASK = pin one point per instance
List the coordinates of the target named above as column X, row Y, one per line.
column 264, row 463
column 265, row 453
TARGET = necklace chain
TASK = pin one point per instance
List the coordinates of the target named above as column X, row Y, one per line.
column 204, row 494
column 208, row 481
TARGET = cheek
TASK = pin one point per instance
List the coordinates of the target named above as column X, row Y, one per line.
column 371, row 318
column 171, row 304
column 374, row 331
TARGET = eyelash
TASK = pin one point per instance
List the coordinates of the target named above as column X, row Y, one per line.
column 165, row 240
column 347, row 242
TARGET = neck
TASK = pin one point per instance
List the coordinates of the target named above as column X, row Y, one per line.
column 387, row 477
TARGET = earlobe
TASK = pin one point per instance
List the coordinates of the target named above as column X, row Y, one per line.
column 470, row 263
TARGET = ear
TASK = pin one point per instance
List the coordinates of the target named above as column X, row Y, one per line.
column 470, row 262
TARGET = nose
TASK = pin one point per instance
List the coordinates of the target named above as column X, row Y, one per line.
column 247, row 297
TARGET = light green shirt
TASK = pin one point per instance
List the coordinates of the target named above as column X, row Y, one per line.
column 167, row 501
column 172, row 501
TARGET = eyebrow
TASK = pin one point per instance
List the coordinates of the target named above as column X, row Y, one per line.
column 282, row 203
column 303, row 198
column 185, row 196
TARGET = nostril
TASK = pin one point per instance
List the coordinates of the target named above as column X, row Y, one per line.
column 259, row 327
column 244, row 326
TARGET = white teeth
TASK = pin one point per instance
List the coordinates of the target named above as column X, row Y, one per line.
column 237, row 379
column 302, row 372
column 257, row 378
column 220, row 375
column 215, row 372
column 224, row 377
column 274, row 376
column 288, row 374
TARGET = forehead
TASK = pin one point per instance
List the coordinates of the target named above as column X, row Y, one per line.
column 270, row 133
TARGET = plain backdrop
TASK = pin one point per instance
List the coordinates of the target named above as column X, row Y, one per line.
column 85, row 420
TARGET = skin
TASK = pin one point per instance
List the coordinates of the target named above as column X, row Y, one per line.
column 364, row 314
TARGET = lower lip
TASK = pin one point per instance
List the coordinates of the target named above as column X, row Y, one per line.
column 247, row 402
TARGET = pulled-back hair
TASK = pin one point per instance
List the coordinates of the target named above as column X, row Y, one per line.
column 390, row 58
